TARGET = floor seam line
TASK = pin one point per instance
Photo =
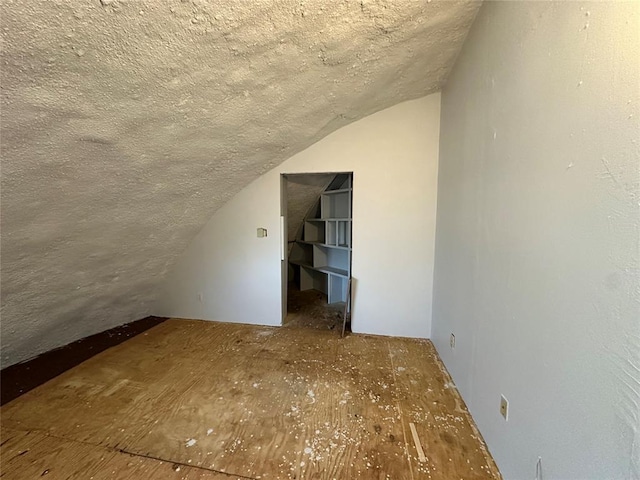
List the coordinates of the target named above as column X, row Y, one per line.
column 182, row 464
column 126, row 452
column 404, row 433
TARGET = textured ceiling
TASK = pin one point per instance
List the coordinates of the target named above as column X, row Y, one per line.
column 303, row 192
column 126, row 124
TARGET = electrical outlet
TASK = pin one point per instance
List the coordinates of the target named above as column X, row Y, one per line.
column 200, row 297
column 504, row 407
column 452, row 341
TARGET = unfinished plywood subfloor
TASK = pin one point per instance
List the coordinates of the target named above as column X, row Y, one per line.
column 309, row 309
column 194, row 399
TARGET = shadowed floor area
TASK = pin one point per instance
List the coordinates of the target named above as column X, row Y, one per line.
column 205, row 400
column 310, row 309
column 23, row 377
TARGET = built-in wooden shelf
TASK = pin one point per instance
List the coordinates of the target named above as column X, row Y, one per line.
column 323, row 252
column 322, row 244
column 333, row 192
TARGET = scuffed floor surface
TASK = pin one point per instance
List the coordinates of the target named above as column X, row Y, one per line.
column 204, row 400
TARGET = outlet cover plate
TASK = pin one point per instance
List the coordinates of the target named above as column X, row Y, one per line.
column 504, row 407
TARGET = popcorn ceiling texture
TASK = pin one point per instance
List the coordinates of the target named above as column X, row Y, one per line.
column 127, row 124
column 303, row 192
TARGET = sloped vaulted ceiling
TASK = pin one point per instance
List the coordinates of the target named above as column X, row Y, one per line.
column 127, row 123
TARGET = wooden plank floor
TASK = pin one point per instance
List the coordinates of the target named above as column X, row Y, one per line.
column 205, row 400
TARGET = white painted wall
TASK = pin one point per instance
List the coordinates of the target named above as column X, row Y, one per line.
column 393, row 156
column 537, row 265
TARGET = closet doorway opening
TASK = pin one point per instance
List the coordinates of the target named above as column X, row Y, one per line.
column 317, row 219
